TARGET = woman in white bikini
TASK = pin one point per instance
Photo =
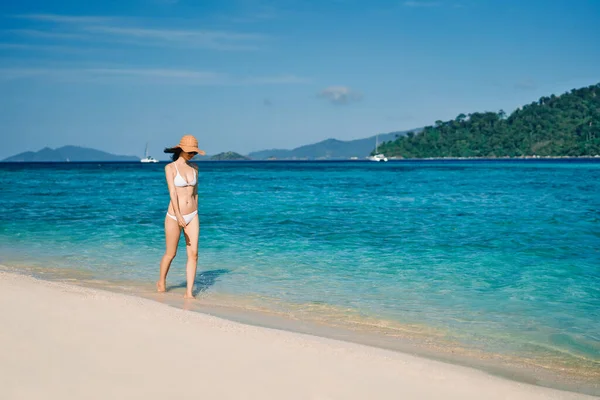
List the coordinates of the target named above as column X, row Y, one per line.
column 182, row 214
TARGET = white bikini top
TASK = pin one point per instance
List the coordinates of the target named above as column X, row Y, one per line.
column 179, row 181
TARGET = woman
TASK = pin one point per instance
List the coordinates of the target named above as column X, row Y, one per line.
column 182, row 180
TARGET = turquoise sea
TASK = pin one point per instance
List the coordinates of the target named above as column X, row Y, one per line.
column 495, row 260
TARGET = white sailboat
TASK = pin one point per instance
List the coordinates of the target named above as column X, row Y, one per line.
column 148, row 159
column 377, row 157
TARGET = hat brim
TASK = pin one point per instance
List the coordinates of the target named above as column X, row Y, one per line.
column 192, row 149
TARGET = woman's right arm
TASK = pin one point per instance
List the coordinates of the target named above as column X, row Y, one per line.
column 173, row 194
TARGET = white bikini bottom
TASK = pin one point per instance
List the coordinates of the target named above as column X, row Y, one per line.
column 187, row 217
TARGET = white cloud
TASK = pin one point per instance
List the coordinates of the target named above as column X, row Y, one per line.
column 109, row 74
column 275, row 79
column 161, row 73
column 16, row 73
column 143, row 75
column 34, row 33
column 119, row 30
column 221, row 40
column 48, row 48
column 340, row 94
column 66, row 19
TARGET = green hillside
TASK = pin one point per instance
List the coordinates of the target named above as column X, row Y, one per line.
column 565, row 125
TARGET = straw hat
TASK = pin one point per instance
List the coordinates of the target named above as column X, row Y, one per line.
column 189, row 144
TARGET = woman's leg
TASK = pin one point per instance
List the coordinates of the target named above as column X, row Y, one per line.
column 172, row 233
column 191, row 233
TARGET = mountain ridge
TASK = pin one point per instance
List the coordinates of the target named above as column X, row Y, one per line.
column 228, row 156
column 329, row 148
column 66, row 154
column 326, row 149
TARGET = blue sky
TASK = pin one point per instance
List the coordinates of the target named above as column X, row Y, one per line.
column 248, row 75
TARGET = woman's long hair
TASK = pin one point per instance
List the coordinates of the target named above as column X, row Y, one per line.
column 176, row 151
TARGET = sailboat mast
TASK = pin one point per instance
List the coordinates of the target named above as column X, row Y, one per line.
column 376, row 143
column 146, row 152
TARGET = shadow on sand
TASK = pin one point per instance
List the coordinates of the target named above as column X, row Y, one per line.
column 204, row 280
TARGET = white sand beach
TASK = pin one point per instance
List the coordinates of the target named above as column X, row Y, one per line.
column 67, row 342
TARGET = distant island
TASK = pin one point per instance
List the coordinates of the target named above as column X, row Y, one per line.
column 324, row 150
column 228, row 156
column 329, row 149
column 66, row 154
column 567, row 125
column 556, row 126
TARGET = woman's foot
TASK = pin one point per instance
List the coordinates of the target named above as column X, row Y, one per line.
column 160, row 287
column 189, row 296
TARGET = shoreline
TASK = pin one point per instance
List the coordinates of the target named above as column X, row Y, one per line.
column 327, row 160
column 493, row 364
column 81, row 342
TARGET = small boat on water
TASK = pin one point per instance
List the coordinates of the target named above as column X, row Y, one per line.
column 147, row 158
column 377, row 157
